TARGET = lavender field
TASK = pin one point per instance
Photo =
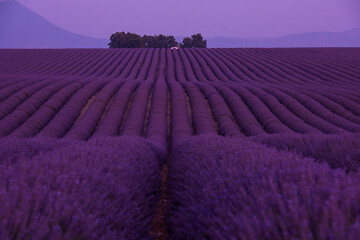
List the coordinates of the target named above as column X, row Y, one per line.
column 180, row 144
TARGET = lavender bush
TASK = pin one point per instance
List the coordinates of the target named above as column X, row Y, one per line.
column 223, row 188
column 102, row 189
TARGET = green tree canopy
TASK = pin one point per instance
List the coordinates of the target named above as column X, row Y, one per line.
column 160, row 41
column 196, row 41
column 132, row 40
column 125, row 40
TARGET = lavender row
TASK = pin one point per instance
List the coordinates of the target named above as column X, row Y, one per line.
column 221, row 112
column 201, row 113
column 15, row 84
column 12, row 102
column 134, row 123
column 106, row 188
column 113, row 117
column 181, row 125
column 29, row 107
column 86, row 124
column 158, row 119
column 35, row 123
column 236, row 189
column 65, row 118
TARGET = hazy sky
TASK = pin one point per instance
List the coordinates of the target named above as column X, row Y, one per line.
column 228, row 18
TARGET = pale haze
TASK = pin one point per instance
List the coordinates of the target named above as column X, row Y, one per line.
column 212, row 18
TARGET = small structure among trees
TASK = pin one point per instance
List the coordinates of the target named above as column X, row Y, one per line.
column 132, row 40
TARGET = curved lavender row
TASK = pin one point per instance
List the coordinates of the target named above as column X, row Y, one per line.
column 301, row 112
column 282, row 113
column 338, row 151
column 345, row 102
column 137, row 65
column 235, row 72
column 321, row 111
column 65, row 118
column 221, row 112
column 86, row 124
column 192, row 67
column 8, row 80
column 151, row 58
column 14, row 86
column 50, row 62
column 323, row 71
column 340, row 65
column 241, row 65
column 224, row 68
column 114, row 115
column 67, row 63
column 207, row 71
column 101, row 72
column 161, row 71
column 57, row 61
column 118, row 69
column 47, row 111
column 29, row 107
column 313, row 71
column 106, row 188
column 109, row 70
column 102, row 64
column 276, row 70
column 314, row 60
column 261, row 112
column 153, row 67
column 214, row 66
column 333, row 106
column 188, row 68
column 157, row 121
column 23, row 63
column 179, row 68
column 286, row 65
column 181, row 126
column 87, row 64
column 134, row 123
column 201, row 112
column 242, row 113
column 236, row 189
column 12, row 102
column 130, row 64
column 170, row 68
column 258, row 69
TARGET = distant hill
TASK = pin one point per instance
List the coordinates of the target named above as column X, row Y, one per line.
column 22, row 28
column 316, row 39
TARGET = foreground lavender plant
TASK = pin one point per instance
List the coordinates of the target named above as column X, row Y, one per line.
column 222, row 188
column 101, row 189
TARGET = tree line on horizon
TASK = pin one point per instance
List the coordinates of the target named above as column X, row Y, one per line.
column 133, row 40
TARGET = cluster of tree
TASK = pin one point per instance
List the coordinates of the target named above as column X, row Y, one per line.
column 133, row 40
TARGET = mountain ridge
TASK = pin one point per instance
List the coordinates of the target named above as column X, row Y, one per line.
column 18, row 23
column 349, row 38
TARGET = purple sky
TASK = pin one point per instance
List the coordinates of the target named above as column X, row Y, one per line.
column 227, row 18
